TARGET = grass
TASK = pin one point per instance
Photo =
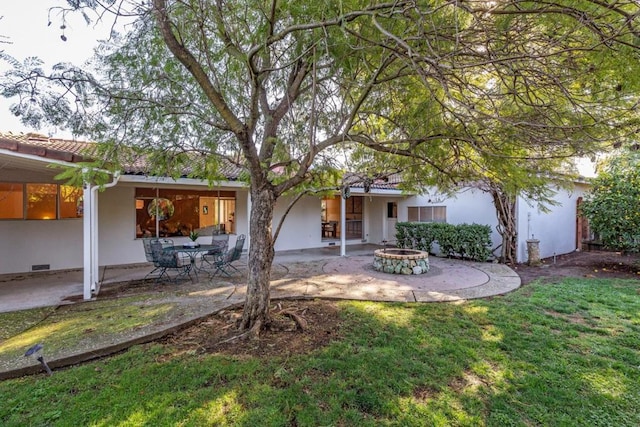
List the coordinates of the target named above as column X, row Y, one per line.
column 15, row 322
column 566, row 354
column 71, row 325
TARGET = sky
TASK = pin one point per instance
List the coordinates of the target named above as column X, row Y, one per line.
column 23, row 25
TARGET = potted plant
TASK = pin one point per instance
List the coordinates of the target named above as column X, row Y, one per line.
column 193, row 235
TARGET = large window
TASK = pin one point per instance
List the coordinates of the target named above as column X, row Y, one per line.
column 11, row 201
column 70, row 202
column 427, row 214
column 176, row 212
column 39, row 201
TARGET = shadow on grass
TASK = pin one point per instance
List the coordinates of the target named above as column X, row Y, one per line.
column 562, row 354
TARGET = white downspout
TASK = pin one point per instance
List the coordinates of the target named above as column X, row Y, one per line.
column 90, row 238
column 248, row 235
column 520, row 255
column 343, row 225
column 87, row 217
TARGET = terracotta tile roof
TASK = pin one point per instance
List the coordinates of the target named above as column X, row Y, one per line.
column 77, row 151
column 388, row 182
column 47, row 148
column 73, row 151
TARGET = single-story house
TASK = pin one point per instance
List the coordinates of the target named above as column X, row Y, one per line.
column 47, row 225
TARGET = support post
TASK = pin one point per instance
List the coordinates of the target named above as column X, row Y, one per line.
column 90, row 236
column 87, row 247
column 343, row 225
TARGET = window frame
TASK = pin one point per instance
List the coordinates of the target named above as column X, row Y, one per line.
column 57, row 216
column 147, row 225
column 427, row 213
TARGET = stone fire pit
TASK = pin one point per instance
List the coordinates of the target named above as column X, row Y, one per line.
column 401, row 261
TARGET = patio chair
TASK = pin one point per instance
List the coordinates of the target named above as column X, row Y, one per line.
column 223, row 263
column 221, row 244
column 148, row 253
column 167, row 260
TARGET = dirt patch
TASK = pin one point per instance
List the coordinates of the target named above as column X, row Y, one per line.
column 601, row 264
column 283, row 337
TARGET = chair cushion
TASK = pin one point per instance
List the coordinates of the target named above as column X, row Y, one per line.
column 163, row 258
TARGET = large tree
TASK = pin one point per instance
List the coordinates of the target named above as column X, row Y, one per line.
column 283, row 88
column 514, row 125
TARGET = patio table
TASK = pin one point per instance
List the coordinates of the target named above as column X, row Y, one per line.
column 192, row 252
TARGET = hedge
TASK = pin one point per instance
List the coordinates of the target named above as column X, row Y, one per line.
column 471, row 241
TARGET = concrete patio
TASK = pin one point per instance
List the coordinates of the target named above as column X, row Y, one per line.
column 316, row 273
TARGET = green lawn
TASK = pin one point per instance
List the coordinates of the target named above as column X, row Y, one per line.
column 562, row 354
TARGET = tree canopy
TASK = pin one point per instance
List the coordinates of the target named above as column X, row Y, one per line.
column 442, row 90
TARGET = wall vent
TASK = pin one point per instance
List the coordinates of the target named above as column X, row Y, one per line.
column 40, row 267
column 332, row 244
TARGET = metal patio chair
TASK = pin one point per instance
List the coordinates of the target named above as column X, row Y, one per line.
column 167, row 260
column 223, row 263
column 221, row 243
column 148, row 253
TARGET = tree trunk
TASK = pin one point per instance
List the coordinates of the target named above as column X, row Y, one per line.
column 261, row 252
column 506, row 213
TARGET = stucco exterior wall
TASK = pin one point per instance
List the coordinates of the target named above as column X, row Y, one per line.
column 59, row 243
column 303, row 225
column 375, row 217
column 117, row 227
column 27, row 243
column 556, row 229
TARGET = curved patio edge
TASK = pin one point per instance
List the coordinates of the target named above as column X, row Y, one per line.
column 502, row 280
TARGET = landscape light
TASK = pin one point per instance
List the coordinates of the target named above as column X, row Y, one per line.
column 36, row 353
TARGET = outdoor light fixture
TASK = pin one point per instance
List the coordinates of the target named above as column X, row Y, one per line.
column 36, row 353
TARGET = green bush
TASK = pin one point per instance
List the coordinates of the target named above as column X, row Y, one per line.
column 472, row 241
column 611, row 206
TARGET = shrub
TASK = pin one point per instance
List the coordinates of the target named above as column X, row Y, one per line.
column 472, row 241
column 612, row 204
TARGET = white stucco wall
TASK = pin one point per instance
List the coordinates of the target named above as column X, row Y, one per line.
column 242, row 215
column 117, row 228
column 303, row 225
column 555, row 229
column 59, row 243
column 27, row 243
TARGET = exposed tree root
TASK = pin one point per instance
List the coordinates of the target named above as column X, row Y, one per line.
column 300, row 321
column 254, row 331
column 272, row 324
column 249, row 334
column 235, row 338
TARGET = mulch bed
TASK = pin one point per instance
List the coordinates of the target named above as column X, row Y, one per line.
column 601, row 264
